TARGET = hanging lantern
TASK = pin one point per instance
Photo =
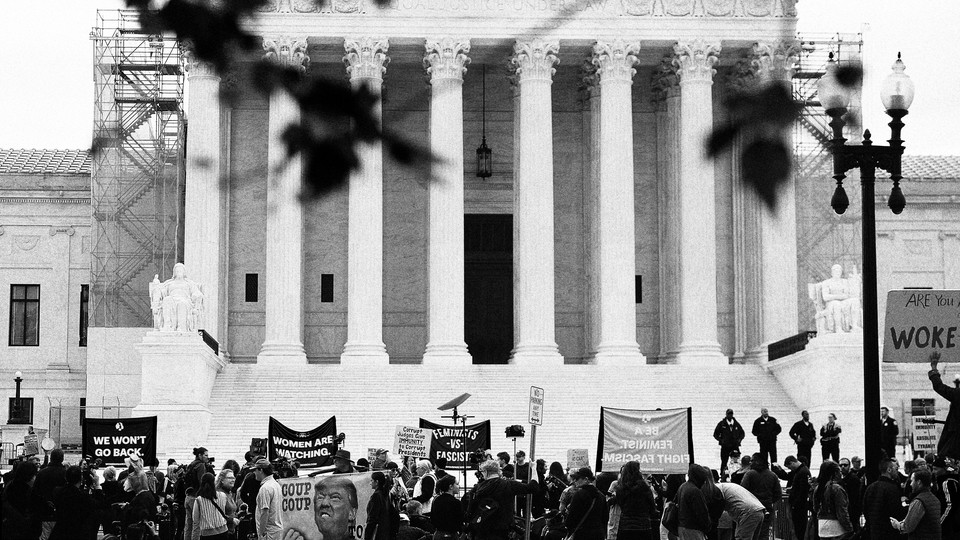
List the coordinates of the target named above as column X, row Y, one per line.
column 484, row 154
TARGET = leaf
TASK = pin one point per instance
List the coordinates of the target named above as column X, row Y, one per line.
column 765, row 165
column 721, row 138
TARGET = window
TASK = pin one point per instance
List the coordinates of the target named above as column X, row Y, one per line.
column 252, row 288
column 22, row 414
column 922, row 407
column 84, row 306
column 638, row 290
column 24, row 315
column 326, row 287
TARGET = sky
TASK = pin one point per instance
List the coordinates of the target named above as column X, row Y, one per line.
column 46, row 87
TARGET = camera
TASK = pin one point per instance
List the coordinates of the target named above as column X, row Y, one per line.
column 477, row 457
column 284, row 468
column 514, row 431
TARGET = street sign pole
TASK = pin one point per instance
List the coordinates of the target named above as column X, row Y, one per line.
column 536, row 419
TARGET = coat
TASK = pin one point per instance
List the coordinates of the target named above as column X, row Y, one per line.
column 378, row 517
column 766, row 429
column 728, row 436
column 583, row 521
column 881, row 502
column 949, row 444
column 803, row 434
column 75, row 515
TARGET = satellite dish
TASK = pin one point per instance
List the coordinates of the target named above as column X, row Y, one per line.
column 47, row 444
column 454, row 403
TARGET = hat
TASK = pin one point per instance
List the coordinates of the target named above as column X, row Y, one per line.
column 343, row 454
column 582, row 472
column 392, row 465
column 261, row 463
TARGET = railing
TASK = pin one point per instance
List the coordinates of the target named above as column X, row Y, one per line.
column 790, row 345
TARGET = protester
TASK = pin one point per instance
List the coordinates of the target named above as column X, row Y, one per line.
column 586, row 517
column 798, row 488
column 269, row 498
column 830, row 439
column 398, row 493
column 500, row 490
column 342, row 464
column 209, row 516
column 922, row 521
column 881, row 504
column 75, row 518
column 804, row 434
column 949, row 443
column 19, row 520
column 765, row 429
column 447, row 515
column 729, row 434
column 408, row 531
column 744, row 508
column 417, row 519
column 852, row 485
column 522, row 471
column 947, row 490
column 765, row 486
column 506, row 469
column 48, row 479
column 888, row 433
column 378, row 526
column 692, row 511
column 142, row 508
column 737, row 476
column 427, row 485
column 556, row 481
column 226, row 484
column 830, row 503
column 637, row 506
column 424, row 470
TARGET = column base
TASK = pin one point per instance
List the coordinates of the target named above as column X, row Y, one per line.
column 364, row 355
column 705, row 354
column 447, row 355
column 276, row 353
column 536, row 355
column 618, row 354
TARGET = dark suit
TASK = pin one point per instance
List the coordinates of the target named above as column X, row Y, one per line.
column 888, row 437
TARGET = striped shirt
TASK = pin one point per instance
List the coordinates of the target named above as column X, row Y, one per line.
column 207, row 520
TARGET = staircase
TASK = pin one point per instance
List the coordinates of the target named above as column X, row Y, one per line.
column 369, row 406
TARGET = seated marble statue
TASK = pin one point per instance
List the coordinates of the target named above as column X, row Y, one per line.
column 837, row 300
column 177, row 303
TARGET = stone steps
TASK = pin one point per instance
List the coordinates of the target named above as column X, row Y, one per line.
column 368, row 405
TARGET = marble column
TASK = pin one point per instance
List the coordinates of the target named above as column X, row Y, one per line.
column 614, row 220
column 283, row 341
column 697, row 212
column 533, row 263
column 666, row 93
column 202, row 220
column 590, row 92
column 366, row 60
column 445, row 62
column 776, row 62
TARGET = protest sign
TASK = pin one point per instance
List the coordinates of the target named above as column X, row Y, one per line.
column 577, row 457
column 660, row 440
column 113, row 439
column 413, row 442
column 455, row 444
column 921, row 321
column 314, row 448
column 31, row 444
column 925, row 434
column 328, row 507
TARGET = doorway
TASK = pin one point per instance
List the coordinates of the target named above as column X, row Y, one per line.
column 488, row 287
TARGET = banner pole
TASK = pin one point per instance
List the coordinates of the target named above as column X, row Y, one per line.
column 533, row 470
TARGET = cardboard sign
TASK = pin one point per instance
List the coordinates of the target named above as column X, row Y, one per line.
column 314, row 448
column 577, row 457
column 31, row 444
column 925, row 435
column 413, row 442
column 113, row 439
column 328, row 507
column 660, row 440
column 921, row 321
column 536, row 406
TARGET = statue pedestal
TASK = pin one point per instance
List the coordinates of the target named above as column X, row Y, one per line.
column 178, row 372
column 827, row 377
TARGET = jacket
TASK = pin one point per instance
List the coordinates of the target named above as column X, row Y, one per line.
column 881, row 502
column 49, row 479
column 503, row 491
column 764, row 485
column 803, row 434
column 948, row 494
column 888, row 433
column 799, row 487
column 728, row 436
column 766, row 429
column 637, row 507
column 75, row 515
column 692, row 508
column 378, row 517
column 949, row 444
column 923, row 517
column 834, row 506
column 594, row 523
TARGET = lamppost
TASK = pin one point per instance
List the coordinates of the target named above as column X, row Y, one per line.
column 17, row 378
column 896, row 95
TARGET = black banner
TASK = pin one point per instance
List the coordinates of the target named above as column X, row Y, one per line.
column 113, row 439
column 449, row 442
column 314, row 448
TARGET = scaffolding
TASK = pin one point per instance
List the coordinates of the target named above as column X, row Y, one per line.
column 824, row 238
column 138, row 167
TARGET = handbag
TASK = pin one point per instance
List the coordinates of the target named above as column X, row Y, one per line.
column 671, row 518
column 231, row 524
column 584, row 518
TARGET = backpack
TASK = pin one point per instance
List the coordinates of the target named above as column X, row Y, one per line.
column 483, row 515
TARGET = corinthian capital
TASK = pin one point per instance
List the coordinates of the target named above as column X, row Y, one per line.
column 663, row 82
column 287, row 51
column 366, row 57
column 534, row 59
column 695, row 59
column 195, row 66
column 776, row 60
column 446, row 58
column 615, row 60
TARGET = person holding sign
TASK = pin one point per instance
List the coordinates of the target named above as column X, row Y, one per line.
column 949, row 443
